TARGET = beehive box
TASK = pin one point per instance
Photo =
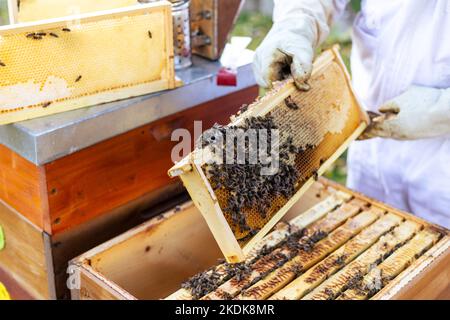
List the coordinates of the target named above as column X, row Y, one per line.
column 318, row 125
column 153, row 260
column 32, row 10
column 34, row 264
column 51, row 213
column 62, row 64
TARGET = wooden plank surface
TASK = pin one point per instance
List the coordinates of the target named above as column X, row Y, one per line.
column 75, row 241
column 434, row 284
column 24, row 254
column 15, row 290
column 427, row 278
column 151, row 260
column 97, row 179
column 22, row 187
column 92, row 289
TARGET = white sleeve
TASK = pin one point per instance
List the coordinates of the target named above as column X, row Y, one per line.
column 319, row 12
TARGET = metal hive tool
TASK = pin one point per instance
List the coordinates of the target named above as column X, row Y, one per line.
column 61, row 64
column 367, row 251
column 319, row 124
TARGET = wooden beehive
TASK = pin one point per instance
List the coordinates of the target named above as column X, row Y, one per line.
column 32, row 10
column 68, row 63
column 327, row 118
column 152, row 260
column 53, row 212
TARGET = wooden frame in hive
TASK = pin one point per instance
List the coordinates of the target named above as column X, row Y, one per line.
column 152, row 260
column 328, row 119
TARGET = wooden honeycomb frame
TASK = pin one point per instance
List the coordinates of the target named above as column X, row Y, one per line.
column 33, row 10
column 152, row 260
column 418, row 251
column 193, row 176
column 111, row 50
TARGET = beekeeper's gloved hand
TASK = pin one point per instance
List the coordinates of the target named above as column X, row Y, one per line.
column 418, row 113
column 299, row 27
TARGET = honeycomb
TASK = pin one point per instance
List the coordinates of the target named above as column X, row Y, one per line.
column 326, row 117
column 32, row 10
column 67, row 61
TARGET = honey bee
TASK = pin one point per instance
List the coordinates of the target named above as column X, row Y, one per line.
column 42, row 34
column 66, row 29
column 78, row 78
column 31, row 35
column 290, row 103
column 150, row 35
column 45, row 105
column 340, row 260
column 329, row 293
column 315, row 175
column 2, row 64
column 53, row 35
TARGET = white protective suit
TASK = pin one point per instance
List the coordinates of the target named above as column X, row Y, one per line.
column 396, row 44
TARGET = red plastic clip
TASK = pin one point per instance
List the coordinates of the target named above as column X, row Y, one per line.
column 227, row 77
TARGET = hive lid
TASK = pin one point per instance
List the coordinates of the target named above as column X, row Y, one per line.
column 308, row 131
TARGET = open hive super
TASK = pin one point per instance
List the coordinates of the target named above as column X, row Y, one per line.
column 306, row 130
column 345, row 247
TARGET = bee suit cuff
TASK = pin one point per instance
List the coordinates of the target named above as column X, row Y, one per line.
column 418, row 113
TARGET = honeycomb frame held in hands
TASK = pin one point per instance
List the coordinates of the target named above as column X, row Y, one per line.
column 61, row 64
column 320, row 122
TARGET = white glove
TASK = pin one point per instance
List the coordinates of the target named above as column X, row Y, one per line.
column 299, row 26
column 418, row 113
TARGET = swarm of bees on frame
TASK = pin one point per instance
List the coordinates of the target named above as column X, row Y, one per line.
column 246, row 186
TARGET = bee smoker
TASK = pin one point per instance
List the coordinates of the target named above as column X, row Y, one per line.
column 181, row 33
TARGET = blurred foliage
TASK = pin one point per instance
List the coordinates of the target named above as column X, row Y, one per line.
column 355, row 5
column 256, row 25
column 3, row 12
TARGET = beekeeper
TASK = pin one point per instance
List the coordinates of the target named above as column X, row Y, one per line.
column 401, row 68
